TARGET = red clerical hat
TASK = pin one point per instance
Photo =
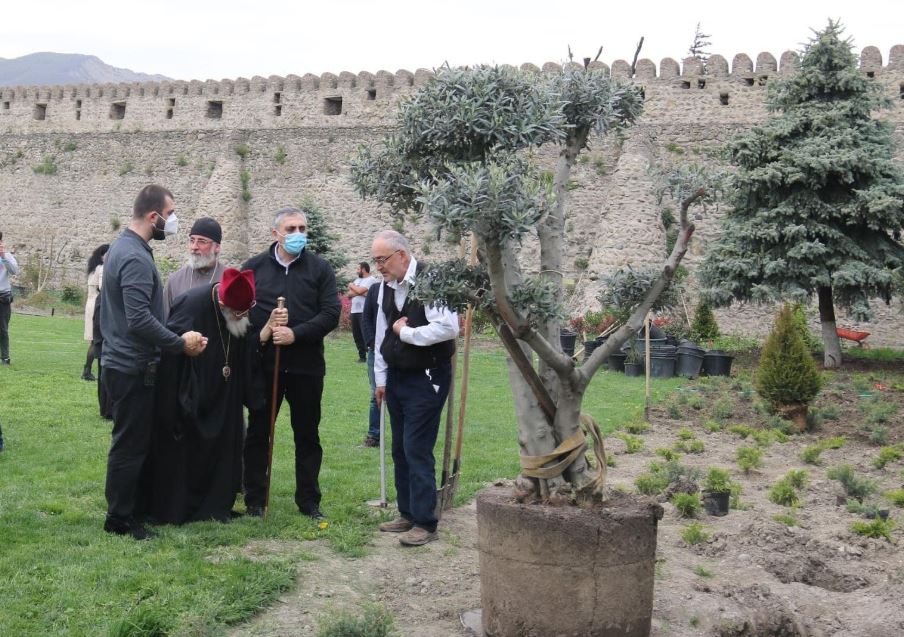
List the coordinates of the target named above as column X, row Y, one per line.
column 237, row 289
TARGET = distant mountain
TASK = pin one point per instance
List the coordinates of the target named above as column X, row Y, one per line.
column 44, row 69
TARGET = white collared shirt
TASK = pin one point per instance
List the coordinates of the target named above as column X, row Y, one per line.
column 442, row 323
column 279, row 260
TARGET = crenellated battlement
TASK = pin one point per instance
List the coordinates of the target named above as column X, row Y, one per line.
column 350, row 99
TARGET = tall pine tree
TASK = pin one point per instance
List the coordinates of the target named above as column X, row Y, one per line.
column 819, row 203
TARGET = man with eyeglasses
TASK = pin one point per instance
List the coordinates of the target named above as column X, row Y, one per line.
column 203, row 266
column 308, row 284
column 194, row 467
column 413, row 349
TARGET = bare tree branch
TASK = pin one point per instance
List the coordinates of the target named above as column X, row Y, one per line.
column 636, row 54
column 635, row 321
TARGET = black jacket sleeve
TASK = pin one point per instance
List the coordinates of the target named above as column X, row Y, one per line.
column 369, row 315
column 329, row 308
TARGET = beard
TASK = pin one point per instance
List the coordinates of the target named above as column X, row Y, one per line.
column 201, row 261
column 236, row 327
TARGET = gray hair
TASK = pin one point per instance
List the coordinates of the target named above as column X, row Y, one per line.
column 393, row 239
column 288, row 211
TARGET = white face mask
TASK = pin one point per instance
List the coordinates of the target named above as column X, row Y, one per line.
column 171, row 226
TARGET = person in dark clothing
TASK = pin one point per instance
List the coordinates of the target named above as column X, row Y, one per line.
column 97, row 342
column 368, row 331
column 194, row 468
column 307, row 282
column 130, row 319
column 413, row 349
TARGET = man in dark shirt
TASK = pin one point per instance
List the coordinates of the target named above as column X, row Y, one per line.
column 307, row 282
column 368, row 332
column 131, row 320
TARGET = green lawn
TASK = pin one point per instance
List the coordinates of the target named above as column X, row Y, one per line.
column 61, row 575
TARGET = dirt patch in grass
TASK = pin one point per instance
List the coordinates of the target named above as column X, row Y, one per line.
column 762, row 570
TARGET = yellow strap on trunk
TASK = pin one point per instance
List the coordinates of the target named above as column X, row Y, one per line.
column 564, row 455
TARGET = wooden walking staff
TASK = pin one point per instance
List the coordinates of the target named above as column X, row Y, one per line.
column 280, row 304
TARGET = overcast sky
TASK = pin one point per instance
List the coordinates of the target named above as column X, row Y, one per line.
column 203, row 39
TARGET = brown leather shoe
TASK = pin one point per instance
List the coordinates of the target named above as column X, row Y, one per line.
column 399, row 525
column 370, row 441
column 417, row 537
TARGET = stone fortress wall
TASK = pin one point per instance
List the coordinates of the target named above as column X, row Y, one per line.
column 290, row 137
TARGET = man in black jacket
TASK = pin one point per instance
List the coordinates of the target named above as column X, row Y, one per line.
column 368, row 332
column 308, row 284
column 131, row 318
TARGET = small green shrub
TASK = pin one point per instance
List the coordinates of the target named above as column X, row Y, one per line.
column 700, row 570
column 688, row 505
column 674, row 411
column 712, row 426
column 797, row 478
column 373, row 622
column 280, row 156
column 763, row 437
column 69, row 147
column 685, row 434
column 72, row 294
column 879, row 435
column 245, row 177
column 783, row 493
column 867, row 509
column 836, row 442
column 788, row 519
column 636, row 427
column 829, row 412
column 695, row 402
column 668, row 454
column 694, row 533
column 242, row 150
column 876, row 529
column 735, row 502
column 811, row 454
column 650, row 484
column 704, row 326
column 717, row 480
column 787, row 374
column 741, row 430
column 855, row 486
column 723, row 409
column 896, row 497
column 886, row 455
column 877, row 411
column 633, row 444
column 126, row 168
column 749, row 458
column 182, row 161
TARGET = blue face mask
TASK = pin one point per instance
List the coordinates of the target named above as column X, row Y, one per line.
column 295, row 243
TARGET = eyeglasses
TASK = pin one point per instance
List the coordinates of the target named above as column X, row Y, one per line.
column 383, row 260
column 199, row 241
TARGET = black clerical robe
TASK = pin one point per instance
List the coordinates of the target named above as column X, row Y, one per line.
column 194, row 468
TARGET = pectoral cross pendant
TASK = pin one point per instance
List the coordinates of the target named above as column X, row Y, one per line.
column 226, row 371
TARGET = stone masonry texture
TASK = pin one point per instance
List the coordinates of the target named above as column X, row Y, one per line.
column 107, row 141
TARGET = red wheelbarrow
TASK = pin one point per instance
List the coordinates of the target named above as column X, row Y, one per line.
column 851, row 335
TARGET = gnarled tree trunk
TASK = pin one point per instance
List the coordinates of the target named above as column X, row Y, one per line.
column 830, row 341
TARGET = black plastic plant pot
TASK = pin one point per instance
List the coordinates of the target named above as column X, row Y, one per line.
column 716, row 502
column 633, row 369
column 717, row 363
column 568, row 339
column 689, row 363
column 662, row 366
column 617, row 362
column 589, row 347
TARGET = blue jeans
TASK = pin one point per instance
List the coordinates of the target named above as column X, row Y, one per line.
column 373, row 428
column 415, row 400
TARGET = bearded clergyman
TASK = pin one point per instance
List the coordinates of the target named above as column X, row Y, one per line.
column 194, row 469
column 203, row 267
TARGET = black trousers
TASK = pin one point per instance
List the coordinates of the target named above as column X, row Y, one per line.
column 358, row 335
column 303, row 393
column 6, row 310
column 133, row 419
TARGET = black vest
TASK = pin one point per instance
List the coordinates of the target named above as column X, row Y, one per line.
column 400, row 355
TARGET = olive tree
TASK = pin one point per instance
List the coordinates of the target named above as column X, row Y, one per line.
column 463, row 156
